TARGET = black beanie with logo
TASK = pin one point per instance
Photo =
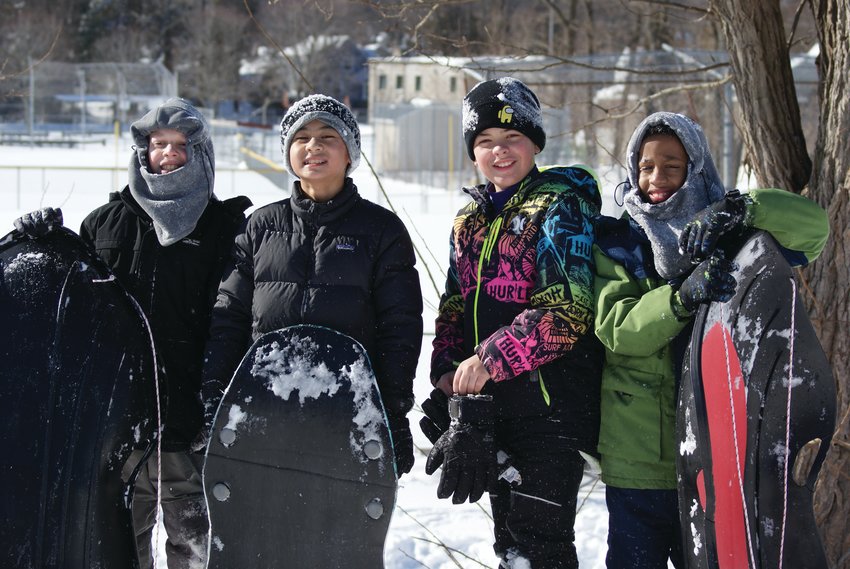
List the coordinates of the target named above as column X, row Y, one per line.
column 502, row 103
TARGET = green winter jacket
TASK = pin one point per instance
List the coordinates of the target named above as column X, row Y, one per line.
column 636, row 322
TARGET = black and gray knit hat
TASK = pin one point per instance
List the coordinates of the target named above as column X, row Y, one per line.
column 502, row 103
column 329, row 111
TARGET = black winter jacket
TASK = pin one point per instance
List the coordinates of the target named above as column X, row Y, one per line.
column 346, row 264
column 176, row 288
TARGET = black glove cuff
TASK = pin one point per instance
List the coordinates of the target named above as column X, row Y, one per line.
column 738, row 204
column 472, row 409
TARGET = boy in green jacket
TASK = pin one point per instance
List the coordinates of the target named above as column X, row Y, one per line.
column 646, row 293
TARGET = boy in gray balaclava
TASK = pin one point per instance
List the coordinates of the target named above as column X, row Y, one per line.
column 647, row 288
column 166, row 238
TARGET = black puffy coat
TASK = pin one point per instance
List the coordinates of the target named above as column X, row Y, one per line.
column 176, row 288
column 346, row 264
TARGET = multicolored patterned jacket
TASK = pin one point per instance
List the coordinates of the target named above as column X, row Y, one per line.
column 519, row 294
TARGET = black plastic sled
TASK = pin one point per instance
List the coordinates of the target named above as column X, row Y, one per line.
column 75, row 398
column 300, row 470
column 753, row 423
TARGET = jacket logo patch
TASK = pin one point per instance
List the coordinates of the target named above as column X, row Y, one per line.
column 345, row 246
column 517, row 225
column 506, row 114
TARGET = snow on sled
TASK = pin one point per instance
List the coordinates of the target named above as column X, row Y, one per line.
column 300, row 470
column 755, row 418
column 75, row 398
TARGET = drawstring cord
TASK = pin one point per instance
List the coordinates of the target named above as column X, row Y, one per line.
column 486, row 251
column 620, row 196
column 787, row 456
column 788, row 419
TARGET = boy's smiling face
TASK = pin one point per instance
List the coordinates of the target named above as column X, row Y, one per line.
column 504, row 156
column 166, row 151
column 319, row 157
column 662, row 167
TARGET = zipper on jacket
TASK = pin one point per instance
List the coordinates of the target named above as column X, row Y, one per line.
column 486, row 251
column 311, row 269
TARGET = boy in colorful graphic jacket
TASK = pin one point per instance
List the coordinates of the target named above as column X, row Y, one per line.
column 647, row 291
column 513, row 333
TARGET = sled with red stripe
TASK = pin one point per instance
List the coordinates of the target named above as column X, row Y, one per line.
column 755, row 417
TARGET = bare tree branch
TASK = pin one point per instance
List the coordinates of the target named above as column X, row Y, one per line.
column 275, row 44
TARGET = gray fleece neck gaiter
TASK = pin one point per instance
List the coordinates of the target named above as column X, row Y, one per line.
column 176, row 200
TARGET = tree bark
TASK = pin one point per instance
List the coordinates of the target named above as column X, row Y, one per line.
column 828, row 278
column 770, row 115
column 772, row 133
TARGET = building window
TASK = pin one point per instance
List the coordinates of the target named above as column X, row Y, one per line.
column 382, row 82
column 453, row 84
column 399, row 81
column 418, row 83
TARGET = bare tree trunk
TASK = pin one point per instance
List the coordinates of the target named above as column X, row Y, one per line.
column 828, row 278
column 770, row 115
column 773, row 137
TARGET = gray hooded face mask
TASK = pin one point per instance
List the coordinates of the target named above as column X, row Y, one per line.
column 175, row 200
column 663, row 222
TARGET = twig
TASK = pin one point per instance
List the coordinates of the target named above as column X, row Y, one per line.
column 276, row 45
column 439, row 542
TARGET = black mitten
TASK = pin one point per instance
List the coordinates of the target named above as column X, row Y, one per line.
column 700, row 235
column 436, row 420
column 40, row 222
column 466, row 450
column 711, row 280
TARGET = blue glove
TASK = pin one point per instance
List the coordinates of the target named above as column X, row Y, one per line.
column 711, row 280
column 466, row 450
column 700, row 235
column 39, row 223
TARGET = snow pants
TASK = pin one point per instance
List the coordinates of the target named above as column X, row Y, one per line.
column 184, row 510
column 534, row 521
column 643, row 529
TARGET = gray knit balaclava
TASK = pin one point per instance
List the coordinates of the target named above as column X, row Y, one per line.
column 329, row 111
column 663, row 222
column 174, row 200
column 501, row 103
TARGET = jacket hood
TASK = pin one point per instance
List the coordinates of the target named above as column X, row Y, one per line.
column 701, row 169
column 176, row 114
column 589, row 192
column 573, row 176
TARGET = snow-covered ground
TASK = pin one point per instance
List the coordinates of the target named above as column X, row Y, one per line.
column 425, row 531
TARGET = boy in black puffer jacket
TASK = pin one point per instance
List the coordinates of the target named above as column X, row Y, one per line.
column 324, row 256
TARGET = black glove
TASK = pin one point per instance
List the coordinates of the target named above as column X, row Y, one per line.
column 711, row 280
column 466, row 450
column 700, row 235
column 436, row 420
column 40, row 222
column 210, row 397
column 402, row 444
